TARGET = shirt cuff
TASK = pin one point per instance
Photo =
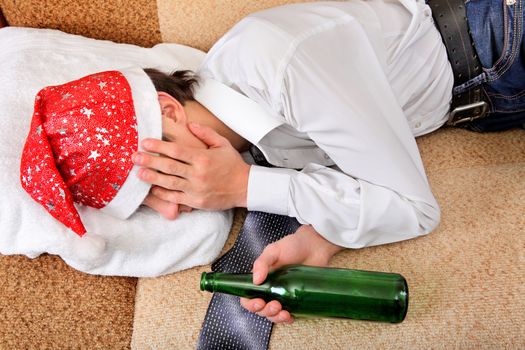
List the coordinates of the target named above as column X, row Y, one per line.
column 268, row 189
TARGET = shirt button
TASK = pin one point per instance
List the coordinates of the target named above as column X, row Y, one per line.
column 418, row 125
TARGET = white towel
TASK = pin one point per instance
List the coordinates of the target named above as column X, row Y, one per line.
column 146, row 244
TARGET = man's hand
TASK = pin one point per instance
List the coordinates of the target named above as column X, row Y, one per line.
column 169, row 210
column 306, row 247
column 215, row 178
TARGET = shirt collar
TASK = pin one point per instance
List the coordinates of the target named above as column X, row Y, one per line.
column 242, row 115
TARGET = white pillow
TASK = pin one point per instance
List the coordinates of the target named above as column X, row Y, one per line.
column 146, row 244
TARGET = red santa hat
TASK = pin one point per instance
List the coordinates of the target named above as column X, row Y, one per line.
column 80, row 143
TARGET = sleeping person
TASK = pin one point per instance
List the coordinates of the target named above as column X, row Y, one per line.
column 83, row 134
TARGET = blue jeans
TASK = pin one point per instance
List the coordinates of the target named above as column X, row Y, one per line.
column 498, row 35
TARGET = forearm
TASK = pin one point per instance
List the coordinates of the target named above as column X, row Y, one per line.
column 346, row 211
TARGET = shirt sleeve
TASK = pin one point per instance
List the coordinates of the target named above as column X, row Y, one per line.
column 379, row 192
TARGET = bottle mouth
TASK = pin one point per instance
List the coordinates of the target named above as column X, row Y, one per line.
column 203, row 281
column 208, row 281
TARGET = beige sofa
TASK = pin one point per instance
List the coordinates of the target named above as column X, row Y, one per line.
column 466, row 279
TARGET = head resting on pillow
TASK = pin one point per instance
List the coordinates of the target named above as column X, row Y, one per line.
column 83, row 133
column 80, row 142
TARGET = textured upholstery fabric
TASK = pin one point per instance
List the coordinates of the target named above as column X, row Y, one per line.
column 126, row 21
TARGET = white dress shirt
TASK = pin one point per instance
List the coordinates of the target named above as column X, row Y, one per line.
column 333, row 93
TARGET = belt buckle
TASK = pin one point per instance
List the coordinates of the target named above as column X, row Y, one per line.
column 455, row 116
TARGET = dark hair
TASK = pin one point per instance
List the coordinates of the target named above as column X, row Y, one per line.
column 179, row 84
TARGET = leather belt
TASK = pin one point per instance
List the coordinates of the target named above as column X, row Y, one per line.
column 451, row 20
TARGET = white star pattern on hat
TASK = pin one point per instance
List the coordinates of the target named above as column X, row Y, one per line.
column 87, row 112
column 94, row 155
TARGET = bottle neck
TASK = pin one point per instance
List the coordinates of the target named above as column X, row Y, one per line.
column 235, row 284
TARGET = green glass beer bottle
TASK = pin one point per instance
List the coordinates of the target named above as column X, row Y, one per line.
column 321, row 292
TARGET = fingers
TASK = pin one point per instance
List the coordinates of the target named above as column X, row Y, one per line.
column 170, row 182
column 253, row 305
column 272, row 310
column 207, row 135
column 261, row 266
column 282, row 317
column 170, row 196
column 168, row 210
column 168, row 148
column 160, row 163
